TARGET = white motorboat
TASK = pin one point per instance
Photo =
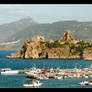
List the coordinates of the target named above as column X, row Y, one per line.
column 85, row 76
column 58, row 77
column 46, row 78
column 35, row 84
column 90, row 82
column 12, row 72
column 70, row 76
column 66, row 77
column 5, row 69
column 8, row 71
column 91, row 66
column 40, row 78
column 36, row 71
column 83, row 83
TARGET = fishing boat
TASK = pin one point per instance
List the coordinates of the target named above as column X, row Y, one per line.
column 83, row 83
column 90, row 82
column 91, row 66
column 34, row 70
column 8, row 71
column 85, row 76
column 70, row 76
column 46, row 78
column 40, row 77
column 66, row 77
column 58, row 77
column 35, row 84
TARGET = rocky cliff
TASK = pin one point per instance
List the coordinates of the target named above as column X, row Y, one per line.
column 64, row 48
column 87, row 54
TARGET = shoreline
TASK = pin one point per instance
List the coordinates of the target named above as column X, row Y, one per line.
column 9, row 57
column 48, row 58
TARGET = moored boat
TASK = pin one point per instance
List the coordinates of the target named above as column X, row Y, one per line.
column 8, row 71
column 58, row 77
column 90, row 82
column 35, row 84
column 83, row 83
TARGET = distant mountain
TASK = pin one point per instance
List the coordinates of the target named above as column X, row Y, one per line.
column 27, row 28
column 9, row 29
column 55, row 30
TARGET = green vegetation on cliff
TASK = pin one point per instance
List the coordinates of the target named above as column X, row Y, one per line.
column 66, row 47
column 54, row 44
column 24, row 29
column 81, row 45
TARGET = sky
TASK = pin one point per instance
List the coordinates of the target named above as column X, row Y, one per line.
column 45, row 13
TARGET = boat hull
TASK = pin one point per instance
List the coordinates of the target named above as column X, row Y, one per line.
column 32, row 86
column 10, row 72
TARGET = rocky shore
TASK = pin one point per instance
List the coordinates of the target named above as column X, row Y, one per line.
column 65, row 48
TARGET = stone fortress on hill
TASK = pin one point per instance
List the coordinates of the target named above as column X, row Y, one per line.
column 65, row 48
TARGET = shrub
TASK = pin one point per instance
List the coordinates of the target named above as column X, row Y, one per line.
column 66, row 43
column 72, row 47
column 54, row 44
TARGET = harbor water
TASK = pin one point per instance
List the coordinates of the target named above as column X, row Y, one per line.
column 17, row 81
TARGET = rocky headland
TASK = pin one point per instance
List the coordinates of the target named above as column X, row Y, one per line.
column 66, row 47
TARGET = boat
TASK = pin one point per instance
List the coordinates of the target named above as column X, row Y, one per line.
column 34, row 70
column 70, row 76
column 83, row 83
column 58, row 77
column 91, row 66
column 8, row 71
column 35, row 84
column 46, row 78
column 90, row 82
column 40, row 78
column 66, row 77
column 85, row 76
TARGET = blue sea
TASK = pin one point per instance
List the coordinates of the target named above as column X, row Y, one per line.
column 17, row 81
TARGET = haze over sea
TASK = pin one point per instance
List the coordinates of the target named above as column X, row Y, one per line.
column 17, row 81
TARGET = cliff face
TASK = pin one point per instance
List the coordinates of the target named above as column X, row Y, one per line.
column 87, row 54
column 65, row 48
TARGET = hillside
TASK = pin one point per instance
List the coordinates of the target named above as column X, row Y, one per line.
column 9, row 29
column 55, row 30
column 51, row 31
